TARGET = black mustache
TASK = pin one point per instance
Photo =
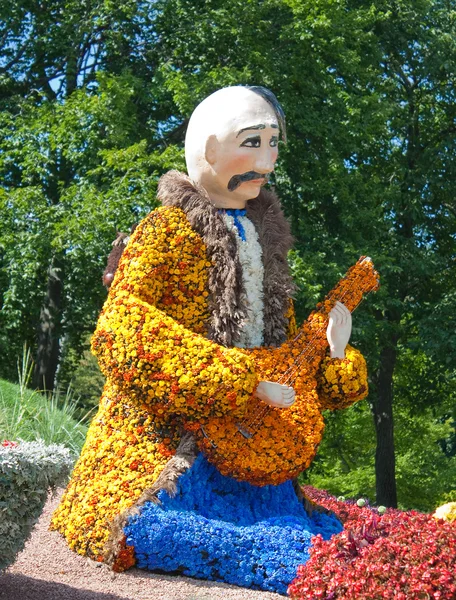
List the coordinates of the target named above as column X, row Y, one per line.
column 236, row 180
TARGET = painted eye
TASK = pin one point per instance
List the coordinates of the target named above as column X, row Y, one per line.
column 273, row 141
column 252, row 142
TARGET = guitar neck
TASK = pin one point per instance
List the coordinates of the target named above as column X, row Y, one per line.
column 285, row 363
column 359, row 280
column 310, row 341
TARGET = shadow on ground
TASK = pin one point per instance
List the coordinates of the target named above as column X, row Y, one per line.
column 18, row 587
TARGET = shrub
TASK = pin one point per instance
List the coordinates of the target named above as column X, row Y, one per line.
column 27, row 471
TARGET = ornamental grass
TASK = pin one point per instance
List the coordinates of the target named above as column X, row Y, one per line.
column 398, row 555
column 29, row 415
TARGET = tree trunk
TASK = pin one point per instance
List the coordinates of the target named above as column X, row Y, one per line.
column 47, row 356
column 382, row 409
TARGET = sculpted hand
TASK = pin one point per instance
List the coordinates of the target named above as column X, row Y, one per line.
column 275, row 394
column 339, row 330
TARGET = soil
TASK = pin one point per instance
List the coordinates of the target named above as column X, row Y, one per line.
column 48, row 570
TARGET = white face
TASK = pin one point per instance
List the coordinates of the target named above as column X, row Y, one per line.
column 240, row 153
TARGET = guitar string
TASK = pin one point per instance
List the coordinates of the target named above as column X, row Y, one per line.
column 293, row 368
column 252, row 420
column 318, row 332
column 297, row 362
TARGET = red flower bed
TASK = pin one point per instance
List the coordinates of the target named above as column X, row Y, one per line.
column 347, row 511
column 398, row 555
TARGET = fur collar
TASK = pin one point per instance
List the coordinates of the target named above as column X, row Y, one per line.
column 227, row 308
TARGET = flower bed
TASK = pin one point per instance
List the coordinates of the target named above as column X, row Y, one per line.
column 400, row 555
column 27, row 471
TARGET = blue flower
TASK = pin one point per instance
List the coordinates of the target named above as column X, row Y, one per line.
column 220, row 529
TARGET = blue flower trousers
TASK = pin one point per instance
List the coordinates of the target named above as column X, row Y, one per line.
column 221, row 529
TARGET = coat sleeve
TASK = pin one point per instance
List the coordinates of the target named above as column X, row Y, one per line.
column 342, row 381
column 149, row 354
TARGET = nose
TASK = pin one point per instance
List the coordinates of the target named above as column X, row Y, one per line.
column 265, row 161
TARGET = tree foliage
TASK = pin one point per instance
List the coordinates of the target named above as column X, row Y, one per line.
column 95, row 99
column 425, row 465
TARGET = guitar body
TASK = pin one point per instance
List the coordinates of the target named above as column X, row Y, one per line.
column 280, row 448
column 272, row 445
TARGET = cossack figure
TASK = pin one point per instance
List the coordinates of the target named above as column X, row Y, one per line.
column 213, row 401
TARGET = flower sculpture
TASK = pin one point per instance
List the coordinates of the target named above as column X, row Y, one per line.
column 195, row 291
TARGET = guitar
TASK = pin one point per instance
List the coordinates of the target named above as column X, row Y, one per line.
column 272, row 445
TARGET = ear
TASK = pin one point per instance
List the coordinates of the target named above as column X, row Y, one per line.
column 210, row 152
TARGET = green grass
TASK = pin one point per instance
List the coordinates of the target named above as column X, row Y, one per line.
column 30, row 415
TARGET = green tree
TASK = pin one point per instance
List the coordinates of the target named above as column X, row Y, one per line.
column 424, row 448
column 75, row 164
column 379, row 180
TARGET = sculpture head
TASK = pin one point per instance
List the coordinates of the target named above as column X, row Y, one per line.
column 231, row 144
